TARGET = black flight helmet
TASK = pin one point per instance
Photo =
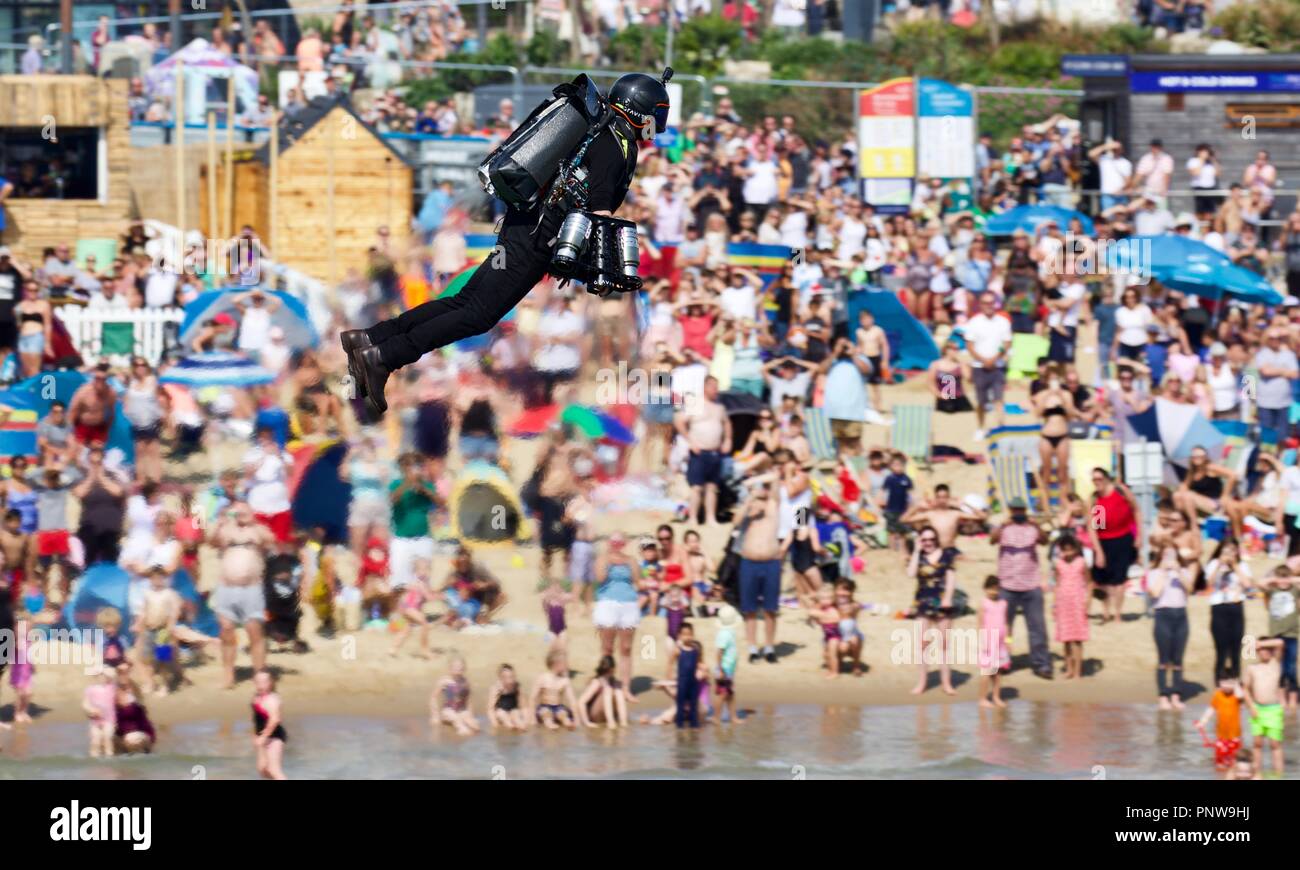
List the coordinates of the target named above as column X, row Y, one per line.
column 642, row 101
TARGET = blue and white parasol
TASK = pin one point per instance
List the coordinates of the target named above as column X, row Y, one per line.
column 216, row 369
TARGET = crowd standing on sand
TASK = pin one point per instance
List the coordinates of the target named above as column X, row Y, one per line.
column 761, row 386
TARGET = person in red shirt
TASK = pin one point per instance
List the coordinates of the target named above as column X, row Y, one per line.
column 1112, row 525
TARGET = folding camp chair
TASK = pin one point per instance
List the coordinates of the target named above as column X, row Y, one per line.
column 912, row 432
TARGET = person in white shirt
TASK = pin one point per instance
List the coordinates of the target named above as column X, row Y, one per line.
column 1115, row 171
column 1150, row 219
column 1063, row 319
column 160, row 289
column 256, row 310
column 266, row 476
column 1203, row 167
column 988, row 340
column 760, row 173
column 739, row 299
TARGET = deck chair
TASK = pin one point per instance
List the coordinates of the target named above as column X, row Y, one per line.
column 818, row 428
column 1013, row 476
column 912, row 432
column 1085, row 455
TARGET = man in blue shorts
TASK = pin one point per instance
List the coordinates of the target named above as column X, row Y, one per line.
column 704, row 423
column 760, row 566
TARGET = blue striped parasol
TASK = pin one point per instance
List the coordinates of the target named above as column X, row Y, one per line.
column 216, row 369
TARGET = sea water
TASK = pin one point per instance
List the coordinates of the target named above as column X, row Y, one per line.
column 1038, row 740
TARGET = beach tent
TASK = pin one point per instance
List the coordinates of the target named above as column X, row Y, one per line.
column 1190, row 266
column 911, row 347
column 204, row 67
column 104, row 584
column 204, row 620
column 1030, row 217
column 485, row 508
column 291, row 315
column 321, row 497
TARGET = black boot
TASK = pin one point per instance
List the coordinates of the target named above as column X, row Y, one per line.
column 372, row 377
column 354, row 341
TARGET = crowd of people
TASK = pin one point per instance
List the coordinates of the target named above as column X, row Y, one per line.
column 714, row 335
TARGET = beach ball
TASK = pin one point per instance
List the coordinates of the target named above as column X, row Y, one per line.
column 857, row 564
column 516, row 561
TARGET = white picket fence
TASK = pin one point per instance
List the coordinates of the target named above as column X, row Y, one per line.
column 86, row 328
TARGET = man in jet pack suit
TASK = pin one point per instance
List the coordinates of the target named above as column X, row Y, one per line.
column 523, row 256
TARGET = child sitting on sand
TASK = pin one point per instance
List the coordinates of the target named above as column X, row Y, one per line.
column 450, row 701
column 1225, row 708
column 993, row 652
column 505, row 709
column 553, row 697
column 100, row 705
column 603, row 702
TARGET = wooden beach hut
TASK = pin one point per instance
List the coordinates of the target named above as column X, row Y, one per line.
column 74, row 132
column 336, row 183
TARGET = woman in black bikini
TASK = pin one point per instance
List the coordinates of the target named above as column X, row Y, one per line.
column 803, row 546
column 1055, row 408
column 949, row 374
column 1204, row 487
column 269, row 735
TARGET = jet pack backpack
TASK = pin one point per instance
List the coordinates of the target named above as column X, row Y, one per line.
column 522, row 168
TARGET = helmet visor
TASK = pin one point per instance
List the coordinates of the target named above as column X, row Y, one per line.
column 661, row 117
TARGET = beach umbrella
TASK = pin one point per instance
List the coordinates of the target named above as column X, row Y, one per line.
column 1179, row 428
column 216, row 369
column 1189, row 266
column 290, row 315
column 614, row 430
column 584, row 420
column 1030, row 217
column 534, row 421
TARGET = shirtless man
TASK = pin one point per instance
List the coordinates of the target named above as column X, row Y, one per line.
column 760, row 564
column 704, row 424
column 239, row 599
column 553, row 696
column 943, row 514
column 91, row 409
column 18, row 549
column 155, row 629
column 1263, row 687
column 872, row 343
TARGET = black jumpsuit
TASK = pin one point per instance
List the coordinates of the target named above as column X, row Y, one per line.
column 520, row 259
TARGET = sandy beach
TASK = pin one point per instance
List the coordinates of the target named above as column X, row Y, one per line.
column 353, row 672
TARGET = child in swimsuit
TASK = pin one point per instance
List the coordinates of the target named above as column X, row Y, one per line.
column 21, row 674
column 828, row 617
column 728, row 656
column 504, row 707
column 604, row 701
column 414, row 596
column 554, row 601
column 691, row 675
column 449, row 704
column 553, row 697
column 269, row 735
column 850, row 635
column 676, row 602
column 1225, row 708
column 100, row 706
column 651, row 579
column 993, row 653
